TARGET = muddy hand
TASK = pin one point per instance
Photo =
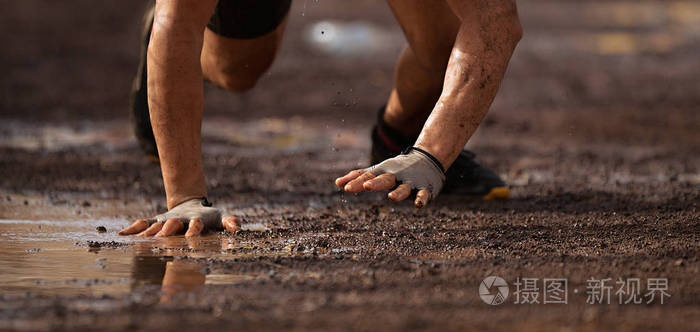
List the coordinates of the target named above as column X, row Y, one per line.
column 193, row 216
column 415, row 169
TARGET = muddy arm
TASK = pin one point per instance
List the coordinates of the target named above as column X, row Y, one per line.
column 488, row 34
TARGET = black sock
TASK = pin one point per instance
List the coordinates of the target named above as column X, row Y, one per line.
column 392, row 138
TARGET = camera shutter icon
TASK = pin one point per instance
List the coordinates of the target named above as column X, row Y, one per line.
column 493, row 290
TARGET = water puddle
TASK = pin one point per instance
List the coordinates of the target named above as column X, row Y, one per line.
column 71, row 258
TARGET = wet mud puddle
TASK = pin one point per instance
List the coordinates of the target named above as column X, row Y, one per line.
column 72, row 258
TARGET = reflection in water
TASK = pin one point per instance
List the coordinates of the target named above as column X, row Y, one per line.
column 70, row 258
column 182, row 276
column 173, row 274
column 147, row 270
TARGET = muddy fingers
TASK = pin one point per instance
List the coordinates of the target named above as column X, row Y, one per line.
column 193, row 217
column 385, row 181
column 152, row 230
column 415, row 169
column 137, row 227
column 171, row 227
column 231, row 224
column 357, row 184
column 400, row 193
column 422, row 198
column 195, row 228
column 343, row 180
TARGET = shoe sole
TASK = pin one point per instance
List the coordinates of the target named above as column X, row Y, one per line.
column 497, row 193
column 153, row 158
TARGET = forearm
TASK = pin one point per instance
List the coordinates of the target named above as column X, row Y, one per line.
column 480, row 56
column 175, row 100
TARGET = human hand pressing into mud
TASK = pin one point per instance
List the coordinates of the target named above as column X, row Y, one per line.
column 192, row 216
column 415, row 169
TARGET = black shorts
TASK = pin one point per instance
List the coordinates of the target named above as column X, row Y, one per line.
column 247, row 19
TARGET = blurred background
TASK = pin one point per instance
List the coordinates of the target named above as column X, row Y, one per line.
column 76, row 61
column 620, row 74
column 65, row 61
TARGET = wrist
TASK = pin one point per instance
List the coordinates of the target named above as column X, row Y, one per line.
column 184, row 187
column 429, row 156
column 177, row 200
column 444, row 156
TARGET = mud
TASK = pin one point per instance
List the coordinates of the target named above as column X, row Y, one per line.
column 596, row 129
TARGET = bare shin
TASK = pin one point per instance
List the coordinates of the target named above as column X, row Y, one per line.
column 430, row 28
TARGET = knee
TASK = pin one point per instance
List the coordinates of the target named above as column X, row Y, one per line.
column 236, row 65
column 236, row 83
column 235, row 77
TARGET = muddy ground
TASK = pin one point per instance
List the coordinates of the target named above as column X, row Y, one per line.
column 596, row 129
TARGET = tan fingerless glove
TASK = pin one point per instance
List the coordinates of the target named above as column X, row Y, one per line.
column 415, row 167
column 194, row 208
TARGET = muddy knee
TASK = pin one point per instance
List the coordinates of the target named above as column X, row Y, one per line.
column 237, row 64
column 235, row 84
column 241, row 41
column 238, row 78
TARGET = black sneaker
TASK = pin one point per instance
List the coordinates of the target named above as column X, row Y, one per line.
column 465, row 177
column 140, row 117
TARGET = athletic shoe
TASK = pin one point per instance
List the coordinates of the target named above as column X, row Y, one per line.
column 140, row 116
column 464, row 177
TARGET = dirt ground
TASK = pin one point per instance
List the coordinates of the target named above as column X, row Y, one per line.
column 596, row 129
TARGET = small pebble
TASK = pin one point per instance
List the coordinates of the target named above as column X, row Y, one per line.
column 101, row 229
